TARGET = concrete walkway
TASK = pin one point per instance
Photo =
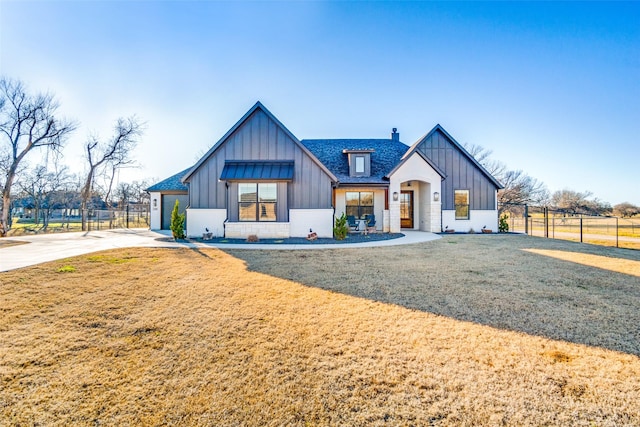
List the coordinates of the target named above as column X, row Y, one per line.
column 50, row 247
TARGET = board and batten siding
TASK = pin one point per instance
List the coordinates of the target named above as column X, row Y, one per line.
column 261, row 138
column 462, row 174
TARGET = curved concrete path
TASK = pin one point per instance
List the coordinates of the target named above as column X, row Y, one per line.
column 50, row 247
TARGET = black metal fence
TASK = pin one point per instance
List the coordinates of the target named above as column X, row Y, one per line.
column 557, row 224
column 129, row 216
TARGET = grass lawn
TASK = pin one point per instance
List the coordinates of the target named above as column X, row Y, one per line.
column 467, row 330
column 28, row 228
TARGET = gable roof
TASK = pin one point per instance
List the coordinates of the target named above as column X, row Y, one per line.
column 173, row 183
column 258, row 105
column 385, row 155
column 438, row 128
column 407, row 156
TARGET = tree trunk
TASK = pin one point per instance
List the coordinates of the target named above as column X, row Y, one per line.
column 36, row 215
column 5, row 226
column 83, row 214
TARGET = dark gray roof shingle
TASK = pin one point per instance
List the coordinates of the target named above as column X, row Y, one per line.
column 173, row 183
column 387, row 154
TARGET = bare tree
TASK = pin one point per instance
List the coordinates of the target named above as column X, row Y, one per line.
column 138, row 191
column 109, row 155
column 483, row 156
column 626, row 209
column 27, row 122
column 519, row 188
column 44, row 187
column 34, row 186
column 575, row 202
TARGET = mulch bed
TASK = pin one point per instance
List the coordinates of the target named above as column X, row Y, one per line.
column 351, row 238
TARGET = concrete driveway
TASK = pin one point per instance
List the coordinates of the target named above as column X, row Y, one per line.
column 50, row 247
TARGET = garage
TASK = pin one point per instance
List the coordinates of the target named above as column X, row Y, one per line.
column 163, row 196
column 168, row 201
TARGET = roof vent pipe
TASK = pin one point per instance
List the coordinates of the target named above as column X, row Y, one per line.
column 395, row 136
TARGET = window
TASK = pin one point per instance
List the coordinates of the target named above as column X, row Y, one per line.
column 359, row 164
column 359, row 161
column 257, row 201
column 359, row 204
column 461, row 200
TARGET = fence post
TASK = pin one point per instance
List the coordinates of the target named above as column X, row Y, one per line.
column 127, row 210
column 617, row 232
column 580, row 228
column 526, row 219
column 546, row 222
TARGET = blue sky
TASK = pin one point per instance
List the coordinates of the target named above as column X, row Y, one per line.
column 551, row 88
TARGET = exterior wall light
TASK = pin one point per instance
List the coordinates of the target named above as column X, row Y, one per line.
column 436, row 197
column 395, row 196
column 155, row 203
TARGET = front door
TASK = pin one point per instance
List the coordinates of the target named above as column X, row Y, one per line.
column 406, row 209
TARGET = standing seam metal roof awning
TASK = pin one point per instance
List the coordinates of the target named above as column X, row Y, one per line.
column 257, row 170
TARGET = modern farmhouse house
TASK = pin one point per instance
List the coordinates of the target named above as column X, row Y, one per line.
column 260, row 179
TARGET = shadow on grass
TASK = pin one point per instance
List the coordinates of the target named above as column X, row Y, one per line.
column 497, row 281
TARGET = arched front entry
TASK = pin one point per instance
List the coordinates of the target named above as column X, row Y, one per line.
column 414, row 197
column 416, row 205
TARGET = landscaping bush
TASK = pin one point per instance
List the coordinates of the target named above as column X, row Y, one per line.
column 503, row 226
column 341, row 229
column 177, row 222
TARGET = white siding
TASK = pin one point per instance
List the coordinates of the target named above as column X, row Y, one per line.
column 200, row 219
column 477, row 220
column 319, row 220
column 155, row 218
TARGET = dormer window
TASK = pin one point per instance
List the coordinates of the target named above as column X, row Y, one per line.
column 359, row 161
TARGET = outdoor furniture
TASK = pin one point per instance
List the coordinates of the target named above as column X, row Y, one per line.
column 351, row 220
column 371, row 222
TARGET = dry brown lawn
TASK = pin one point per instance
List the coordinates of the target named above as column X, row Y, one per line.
column 592, row 296
column 450, row 332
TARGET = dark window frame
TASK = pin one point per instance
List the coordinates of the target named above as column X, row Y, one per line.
column 359, row 210
column 262, row 207
column 462, row 210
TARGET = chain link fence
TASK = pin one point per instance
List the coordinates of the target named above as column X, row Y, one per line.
column 557, row 224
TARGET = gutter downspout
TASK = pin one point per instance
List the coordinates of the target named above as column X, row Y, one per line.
column 224, row 223
column 441, row 195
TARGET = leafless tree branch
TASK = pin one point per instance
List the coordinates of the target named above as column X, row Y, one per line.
column 113, row 153
column 27, row 122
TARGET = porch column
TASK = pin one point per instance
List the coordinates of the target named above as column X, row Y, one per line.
column 436, row 217
column 394, row 207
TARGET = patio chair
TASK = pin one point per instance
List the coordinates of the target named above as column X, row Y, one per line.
column 371, row 222
column 351, row 220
